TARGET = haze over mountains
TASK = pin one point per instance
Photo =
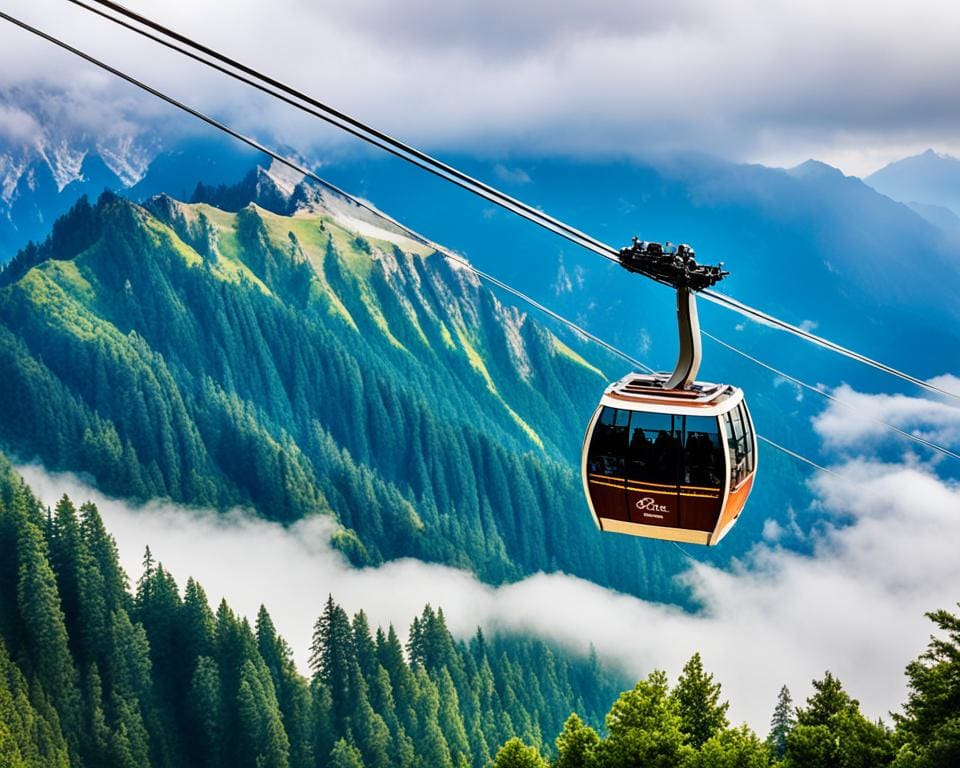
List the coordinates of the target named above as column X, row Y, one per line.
column 808, row 243
column 928, row 179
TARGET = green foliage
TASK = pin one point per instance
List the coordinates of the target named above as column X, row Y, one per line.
column 732, row 748
column 781, row 724
column 930, row 723
column 697, row 699
column 91, row 675
column 645, row 727
column 577, row 745
column 249, row 358
column 831, row 731
column 516, row 754
column 345, row 755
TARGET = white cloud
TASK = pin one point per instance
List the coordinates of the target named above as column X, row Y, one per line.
column 511, row 175
column 16, row 126
column 844, row 82
column 857, row 422
column 854, row 606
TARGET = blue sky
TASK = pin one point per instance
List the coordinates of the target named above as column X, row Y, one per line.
column 856, row 84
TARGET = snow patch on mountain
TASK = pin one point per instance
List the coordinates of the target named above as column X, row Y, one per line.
column 286, row 178
column 63, row 160
column 127, row 156
column 11, row 171
column 512, row 321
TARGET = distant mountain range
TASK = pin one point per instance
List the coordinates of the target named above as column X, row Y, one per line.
column 927, row 182
column 38, row 183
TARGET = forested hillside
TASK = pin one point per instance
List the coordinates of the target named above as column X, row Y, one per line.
column 311, row 363
column 96, row 673
column 93, row 673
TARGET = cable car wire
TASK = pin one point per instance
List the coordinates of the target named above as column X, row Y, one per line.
column 299, row 168
column 766, row 319
column 359, row 129
column 279, row 90
column 823, row 393
column 305, row 171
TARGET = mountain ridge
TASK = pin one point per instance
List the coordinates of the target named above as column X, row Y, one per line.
column 292, row 363
column 929, row 178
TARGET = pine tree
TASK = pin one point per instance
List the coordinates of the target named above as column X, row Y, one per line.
column 345, row 755
column 45, row 633
column 331, row 653
column 516, row 754
column 781, row 723
column 577, row 745
column 204, row 724
column 697, row 699
column 645, row 727
column 732, row 748
column 831, row 731
column 930, row 723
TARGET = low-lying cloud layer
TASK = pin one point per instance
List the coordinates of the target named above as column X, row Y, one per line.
column 883, row 554
column 845, row 82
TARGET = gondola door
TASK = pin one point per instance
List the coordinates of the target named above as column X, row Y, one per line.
column 606, row 458
column 702, row 470
column 652, row 468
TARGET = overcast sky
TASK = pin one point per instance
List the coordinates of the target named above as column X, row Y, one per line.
column 853, row 83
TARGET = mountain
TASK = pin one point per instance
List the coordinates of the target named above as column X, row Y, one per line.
column 313, row 361
column 34, row 199
column 40, row 182
column 938, row 215
column 176, row 170
column 930, row 178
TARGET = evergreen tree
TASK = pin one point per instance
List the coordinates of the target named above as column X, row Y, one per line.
column 577, row 745
column 204, row 724
column 44, row 630
column 331, row 653
column 831, row 731
column 930, row 723
column 697, row 700
column 732, row 748
column 516, row 754
column 345, row 755
column 781, row 724
column 645, row 727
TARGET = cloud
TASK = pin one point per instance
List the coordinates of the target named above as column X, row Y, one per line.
column 16, row 125
column 857, row 422
column 511, row 175
column 853, row 606
column 846, row 83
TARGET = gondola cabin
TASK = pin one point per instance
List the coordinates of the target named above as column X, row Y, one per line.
column 674, row 464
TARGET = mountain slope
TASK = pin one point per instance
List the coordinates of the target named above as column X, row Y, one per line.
column 94, row 674
column 930, row 178
column 313, row 363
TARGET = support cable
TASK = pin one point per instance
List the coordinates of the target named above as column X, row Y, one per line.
column 370, row 208
column 830, row 396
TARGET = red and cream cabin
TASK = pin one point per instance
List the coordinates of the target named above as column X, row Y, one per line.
column 674, row 464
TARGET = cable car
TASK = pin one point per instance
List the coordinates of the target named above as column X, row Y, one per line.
column 666, row 456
